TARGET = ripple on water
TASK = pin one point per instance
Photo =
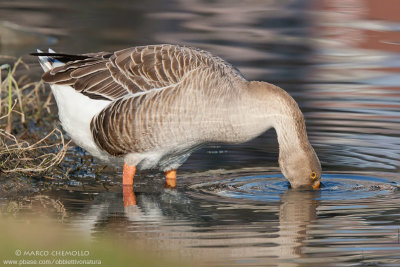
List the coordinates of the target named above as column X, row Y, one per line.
column 268, row 188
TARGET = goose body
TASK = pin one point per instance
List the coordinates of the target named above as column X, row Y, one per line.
column 151, row 106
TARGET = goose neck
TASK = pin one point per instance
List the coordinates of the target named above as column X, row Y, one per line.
column 270, row 106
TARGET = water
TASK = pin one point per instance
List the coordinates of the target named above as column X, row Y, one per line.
column 339, row 59
column 268, row 188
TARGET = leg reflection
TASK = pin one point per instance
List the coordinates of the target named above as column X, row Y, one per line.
column 129, row 195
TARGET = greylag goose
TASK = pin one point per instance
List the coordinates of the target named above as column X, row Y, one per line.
column 152, row 106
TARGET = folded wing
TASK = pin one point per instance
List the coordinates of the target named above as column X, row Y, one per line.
column 138, row 69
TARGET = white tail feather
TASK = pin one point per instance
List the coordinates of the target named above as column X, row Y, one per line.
column 47, row 62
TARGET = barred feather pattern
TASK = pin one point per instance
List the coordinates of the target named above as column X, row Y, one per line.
column 169, row 118
column 138, row 69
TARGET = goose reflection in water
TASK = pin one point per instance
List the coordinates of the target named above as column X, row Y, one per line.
column 172, row 221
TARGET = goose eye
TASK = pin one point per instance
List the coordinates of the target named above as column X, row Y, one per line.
column 313, row 175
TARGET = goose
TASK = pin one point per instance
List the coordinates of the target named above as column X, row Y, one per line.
column 152, row 106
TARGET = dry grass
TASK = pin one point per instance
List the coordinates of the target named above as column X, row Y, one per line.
column 21, row 101
column 23, row 157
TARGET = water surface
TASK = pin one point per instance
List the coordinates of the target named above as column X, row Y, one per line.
column 339, row 59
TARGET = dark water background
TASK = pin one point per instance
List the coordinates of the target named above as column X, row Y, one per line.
column 338, row 58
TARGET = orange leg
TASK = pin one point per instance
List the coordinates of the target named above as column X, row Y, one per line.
column 128, row 173
column 127, row 187
column 170, row 179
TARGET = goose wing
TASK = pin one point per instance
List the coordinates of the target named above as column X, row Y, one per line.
column 138, row 69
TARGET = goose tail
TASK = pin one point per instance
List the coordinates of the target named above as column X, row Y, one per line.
column 46, row 60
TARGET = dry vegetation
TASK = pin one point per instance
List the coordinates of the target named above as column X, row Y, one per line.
column 23, row 103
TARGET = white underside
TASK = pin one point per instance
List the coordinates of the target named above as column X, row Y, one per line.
column 76, row 111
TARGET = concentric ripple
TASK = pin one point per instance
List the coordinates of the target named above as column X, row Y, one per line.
column 271, row 187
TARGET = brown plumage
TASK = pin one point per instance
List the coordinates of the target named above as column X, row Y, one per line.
column 160, row 102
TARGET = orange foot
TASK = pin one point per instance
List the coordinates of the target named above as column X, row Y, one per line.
column 170, row 179
column 127, row 188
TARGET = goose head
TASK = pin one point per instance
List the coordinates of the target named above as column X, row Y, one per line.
column 301, row 168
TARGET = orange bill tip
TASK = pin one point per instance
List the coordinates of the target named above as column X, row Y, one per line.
column 316, row 185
